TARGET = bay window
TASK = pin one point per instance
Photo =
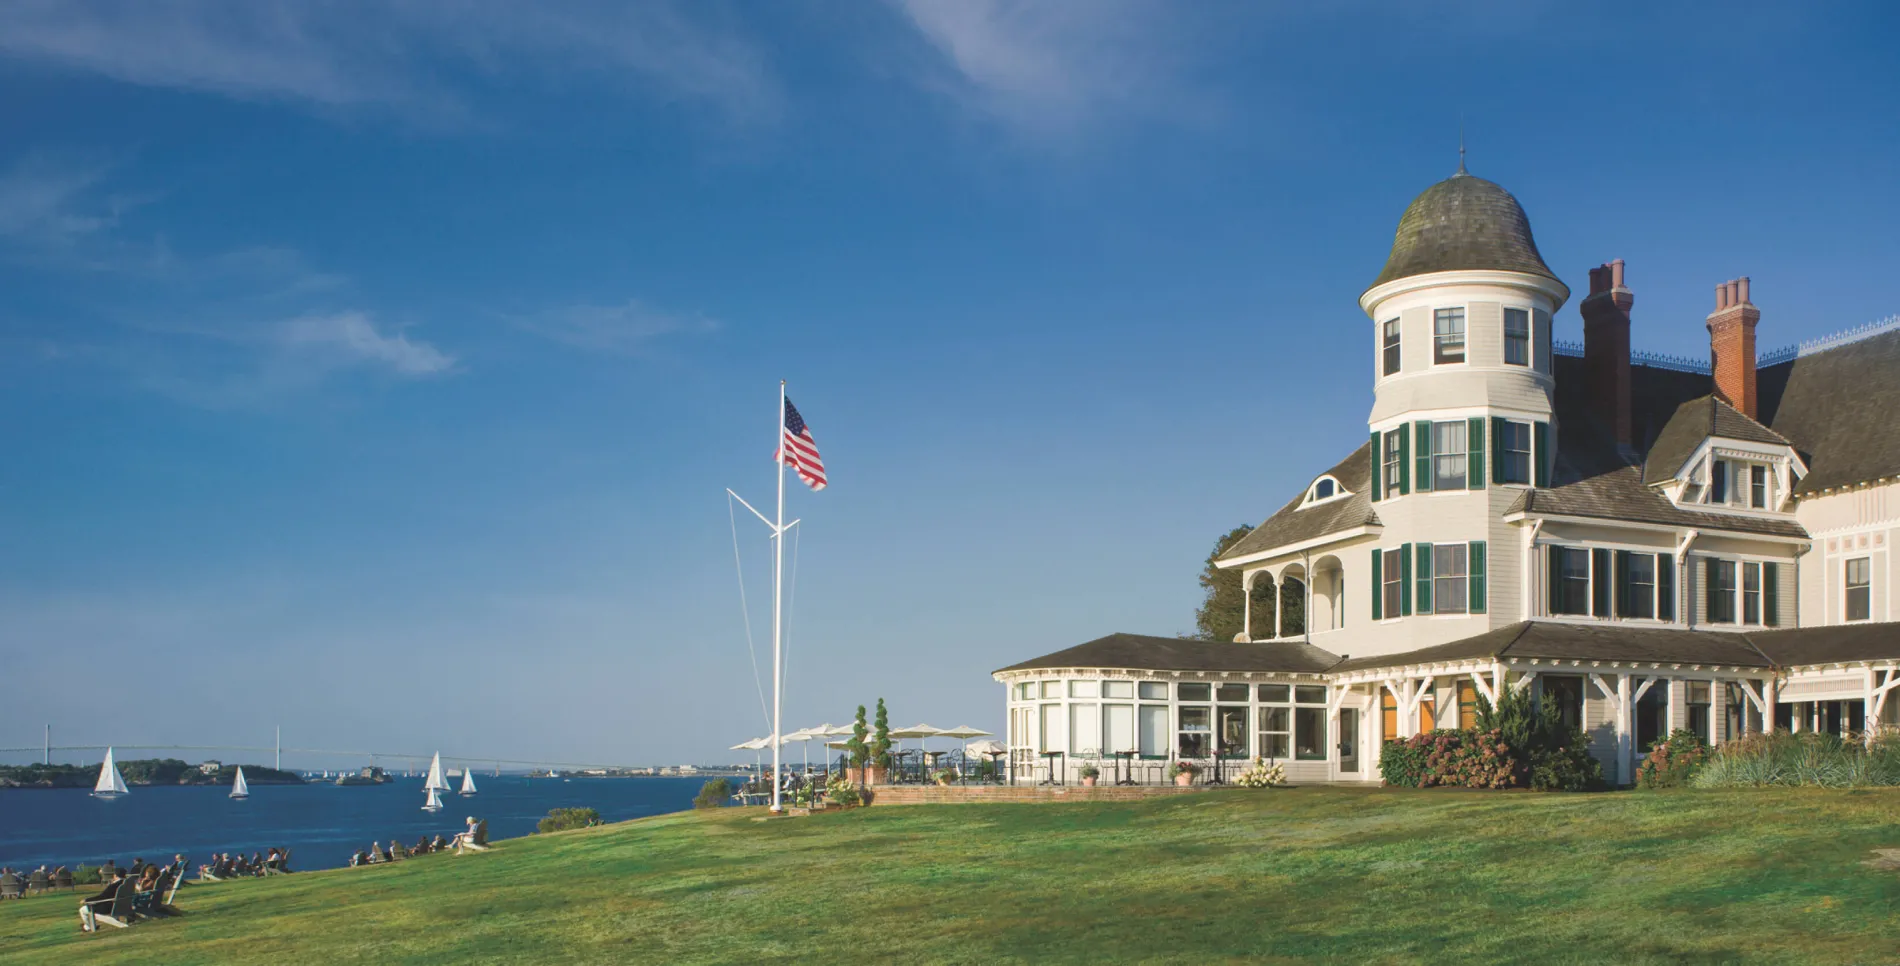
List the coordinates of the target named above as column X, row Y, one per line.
column 1517, row 337
column 1514, row 451
column 1449, row 587
column 1393, row 574
column 1448, row 336
column 1394, row 462
column 1390, row 349
column 1570, row 581
column 1448, row 455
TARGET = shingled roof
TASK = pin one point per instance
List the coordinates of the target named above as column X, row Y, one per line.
column 1693, row 422
column 1556, row 640
column 1140, row 652
column 1839, row 408
column 1463, row 223
column 1293, row 523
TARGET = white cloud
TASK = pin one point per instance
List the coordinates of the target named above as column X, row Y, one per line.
column 40, row 196
column 388, row 54
column 352, row 338
column 1051, row 69
column 626, row 329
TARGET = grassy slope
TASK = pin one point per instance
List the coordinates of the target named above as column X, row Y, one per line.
column 1332, row 873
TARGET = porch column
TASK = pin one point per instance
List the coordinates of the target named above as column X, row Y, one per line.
column 1770, row 697
column 1625, row 742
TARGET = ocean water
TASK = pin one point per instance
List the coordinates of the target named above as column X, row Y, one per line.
column 321, row 823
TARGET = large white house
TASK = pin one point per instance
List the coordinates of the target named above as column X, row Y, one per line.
column 1651, row 543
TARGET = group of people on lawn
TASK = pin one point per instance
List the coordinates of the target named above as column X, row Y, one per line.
column 151, row 888
column 223, row 866
column 475, row 837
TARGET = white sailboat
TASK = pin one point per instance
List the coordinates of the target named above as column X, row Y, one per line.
column 468, row 781
column 111, row 784
column 240, row 790
column 435, row 785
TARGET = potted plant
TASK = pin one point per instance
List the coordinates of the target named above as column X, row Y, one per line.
column 1090, row 774
column 946, row 776
column 1183, row 772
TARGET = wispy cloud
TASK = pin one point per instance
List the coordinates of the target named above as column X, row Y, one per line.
column 629, row 328
column 40, row 197
column 1054, row 69
column 352, row 338
column 390, row 55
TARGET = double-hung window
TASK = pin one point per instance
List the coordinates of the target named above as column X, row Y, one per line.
column 1718, row 481
column 1450, row 578
column 1391, row 574
column 1517, row 337
column 1448, row 336
column 1448, row 455
column 1276, row 721
column 1751, row 593
column 1860, row 588
column 1309, row 722
column 1394, row 460
column 1572, row 586
column 1721, row 577
column 1639, row 599
column 1758, row 486
column 1390, row 347
column 1514, row 452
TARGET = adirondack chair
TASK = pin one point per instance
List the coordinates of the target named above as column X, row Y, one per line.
column 149, row 903
column 11, row 886
column 63, row 878
column 477, row 842
column 396, row 852
column 38, row 883
column 119, row 913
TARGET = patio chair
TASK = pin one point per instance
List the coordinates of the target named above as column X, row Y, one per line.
column 11, row 886
column 118, row 913
column 39, row 882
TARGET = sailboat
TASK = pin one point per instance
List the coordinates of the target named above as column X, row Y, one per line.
column 435, row 785
column 468, row 781
column 111, row 783
column 239, row 790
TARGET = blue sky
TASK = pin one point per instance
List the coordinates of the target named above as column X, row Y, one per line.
column 376, row 370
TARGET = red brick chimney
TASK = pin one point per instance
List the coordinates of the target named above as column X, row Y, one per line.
column 1606, row 348
column 1732, row 345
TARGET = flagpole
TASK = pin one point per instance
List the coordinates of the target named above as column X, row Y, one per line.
column 778, row 586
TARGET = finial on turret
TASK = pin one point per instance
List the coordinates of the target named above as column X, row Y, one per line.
column 1461, row 145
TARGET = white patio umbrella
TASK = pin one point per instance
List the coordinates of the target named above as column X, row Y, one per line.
column 963, row 731
column 988, row 746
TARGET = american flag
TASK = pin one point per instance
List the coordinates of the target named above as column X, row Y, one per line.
column 801, row 452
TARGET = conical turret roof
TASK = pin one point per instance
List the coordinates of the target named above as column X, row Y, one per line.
column 1463, row 223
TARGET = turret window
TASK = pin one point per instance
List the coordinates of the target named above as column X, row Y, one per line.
column 1394, row 459
column 1448, row 336
column 1517, row 337
column 1514, row 452
column 1448, row 455
column 1390, row 346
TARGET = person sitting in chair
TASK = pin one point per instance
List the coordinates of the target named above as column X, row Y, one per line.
column 101, row 903
column 358, row 858
column 468, row 837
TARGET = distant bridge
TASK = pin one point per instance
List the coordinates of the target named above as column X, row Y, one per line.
column 277, row 751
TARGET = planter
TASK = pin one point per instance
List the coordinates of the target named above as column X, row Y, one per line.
column 872, row 775
column 943, row 783
column 1088, row 781
column 1184, row 779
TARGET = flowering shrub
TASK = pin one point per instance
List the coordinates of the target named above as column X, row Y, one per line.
column 841, row 792
column 1515, row 745
column 1673, row 760
column 1262, row 775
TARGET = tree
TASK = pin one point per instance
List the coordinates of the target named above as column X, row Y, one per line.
column 855, row 747
column 1222, row 613
column 881, row 745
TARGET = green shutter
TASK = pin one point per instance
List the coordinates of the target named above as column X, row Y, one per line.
column 1540, row 454
column 1622, row 583
column 1377, row 454
column 1497, row 450
column 1666, row 586
column 1422, row 455
column 1424, row 572
column 1600, row 583
column 1405, row 461
column 1405, row 580
column 1770, row 591
column 1378, row 585
column 1474, row 443
column 1478, row 576
column 1554, row 577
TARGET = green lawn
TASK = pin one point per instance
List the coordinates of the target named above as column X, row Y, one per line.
column 1336, row 874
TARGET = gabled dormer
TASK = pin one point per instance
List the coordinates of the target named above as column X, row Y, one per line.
column 1711, row 456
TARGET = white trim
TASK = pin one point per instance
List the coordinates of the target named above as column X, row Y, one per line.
column 1228, row 563
column 1557, row 292
column 1523, row 515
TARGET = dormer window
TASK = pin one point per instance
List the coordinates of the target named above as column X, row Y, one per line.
column 1737, row 483
column 1448, row 336
column 1324, row 490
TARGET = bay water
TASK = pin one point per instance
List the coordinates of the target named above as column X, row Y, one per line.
column 322, row 823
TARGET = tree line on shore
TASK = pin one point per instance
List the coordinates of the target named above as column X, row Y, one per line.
column 142, row 771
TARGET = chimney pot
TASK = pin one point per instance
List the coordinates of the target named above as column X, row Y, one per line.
column 1596, row 281
column 1616, row 273
column 1721, row 297
column 1742, row 291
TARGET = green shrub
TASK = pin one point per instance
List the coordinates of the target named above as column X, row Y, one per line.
column 85, row 875
column 713, row 794
column 1515, row 745
column 1402, row 763
column 562, row 819
column 840, row 792
column 1818, row 759
column 1673, row 760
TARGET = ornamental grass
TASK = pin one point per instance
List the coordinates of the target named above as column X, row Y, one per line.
column 1810, row 758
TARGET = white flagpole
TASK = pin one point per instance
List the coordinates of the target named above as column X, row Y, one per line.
column 778, row 586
